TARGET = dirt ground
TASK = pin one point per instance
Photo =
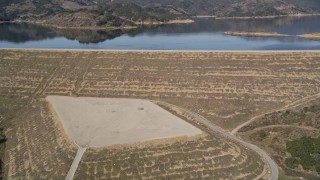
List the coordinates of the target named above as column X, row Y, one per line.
column 98, row 122
column 227, row 88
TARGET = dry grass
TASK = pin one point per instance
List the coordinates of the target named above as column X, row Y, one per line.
column 274, row 130
column 204, row 158
column 36, row 148
column 226, row 87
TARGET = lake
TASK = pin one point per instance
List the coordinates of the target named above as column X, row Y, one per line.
column 203, row 34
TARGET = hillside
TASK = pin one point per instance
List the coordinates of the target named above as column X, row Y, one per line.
column 86, row 14
column 291, row 136
column 128, row 13
column 236, row 7
column 196, row 81
column 117, row 14
column 307, row 4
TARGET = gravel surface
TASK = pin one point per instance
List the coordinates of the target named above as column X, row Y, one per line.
column 99, row 122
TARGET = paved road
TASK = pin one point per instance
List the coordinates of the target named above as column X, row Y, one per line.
column 273, row 166
column 75, row 163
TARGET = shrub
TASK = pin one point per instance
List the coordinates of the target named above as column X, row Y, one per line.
column 292, row 163
column 307, row 161
column 304, row 151
column 2, row 137
column 318, row 167
column 302, row 147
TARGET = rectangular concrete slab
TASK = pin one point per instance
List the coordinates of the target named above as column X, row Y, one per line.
column 98, row 122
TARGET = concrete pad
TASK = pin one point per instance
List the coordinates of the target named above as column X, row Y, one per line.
column 98, row 122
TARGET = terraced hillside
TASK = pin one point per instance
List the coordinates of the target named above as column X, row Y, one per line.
column 204, row 157
column 285, row 134
column 37, row 146
column 225, row 87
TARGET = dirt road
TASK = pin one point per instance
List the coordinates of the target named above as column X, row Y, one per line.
column 288, row 106
column 285, row 126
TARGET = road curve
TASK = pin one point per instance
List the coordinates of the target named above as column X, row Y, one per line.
column 201, row 120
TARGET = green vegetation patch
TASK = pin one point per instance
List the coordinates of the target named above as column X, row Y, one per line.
column 2, row 137
column 305, row 152
column 2, row 146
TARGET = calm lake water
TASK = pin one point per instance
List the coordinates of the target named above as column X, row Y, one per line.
column 204, row 34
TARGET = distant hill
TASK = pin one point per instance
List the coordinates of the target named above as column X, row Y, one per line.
column 86, row 13
column 236, row 7
column 130, row 13
column 308, row 4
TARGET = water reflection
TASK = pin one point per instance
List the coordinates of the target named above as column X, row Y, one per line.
column 89, row 36
column 153, row 37
column 20, row 33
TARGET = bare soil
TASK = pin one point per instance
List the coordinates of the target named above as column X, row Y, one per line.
column 98, row 122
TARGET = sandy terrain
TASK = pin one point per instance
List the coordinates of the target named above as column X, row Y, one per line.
column 254, row 34
column 98, row 122
column 312, row 36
